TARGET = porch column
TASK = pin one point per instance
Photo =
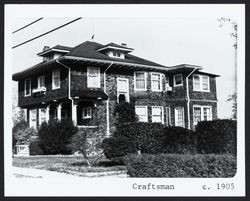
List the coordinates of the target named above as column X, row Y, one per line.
column 74, row 112
column 47, row 113
column 59, row 112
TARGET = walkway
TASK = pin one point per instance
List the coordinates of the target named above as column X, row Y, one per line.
column 36, row 173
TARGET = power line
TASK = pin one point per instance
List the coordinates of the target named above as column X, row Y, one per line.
column 46, row 33
column 27, row 25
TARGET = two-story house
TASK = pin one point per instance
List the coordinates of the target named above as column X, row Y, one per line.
column 84, row 84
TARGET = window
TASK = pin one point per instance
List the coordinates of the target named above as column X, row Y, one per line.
column 42, row 115
column 179, row 117
column 142, row 113
column 27, row 87
column 157, row 114
column 86, row 112
column 156, row 82
column 178, row 80
column 202, row 113
column 200, row 82
column 140, row 81
column 33, row 120
column 93, row 74
column 168, row 116
column 123, row 88
column 41, row 81
column 56, row 79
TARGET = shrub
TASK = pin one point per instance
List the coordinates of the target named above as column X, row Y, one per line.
column 35, row 149
column 25, row 136
column 146, row 137
column 54, row 136
column 179, row 140
column 125, row 112
column 78, row 142
column 180, row 165
column 218, row 136
column 116, row 148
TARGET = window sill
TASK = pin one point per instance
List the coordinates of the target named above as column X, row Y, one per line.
column 179, row 85
column 86, row 126
column 202, row 91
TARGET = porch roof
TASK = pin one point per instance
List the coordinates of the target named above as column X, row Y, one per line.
column 89, row 94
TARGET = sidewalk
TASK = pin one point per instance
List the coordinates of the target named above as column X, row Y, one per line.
column 36, row 173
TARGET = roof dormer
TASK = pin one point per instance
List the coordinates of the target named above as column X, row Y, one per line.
column 53, row 52
column 115, row 50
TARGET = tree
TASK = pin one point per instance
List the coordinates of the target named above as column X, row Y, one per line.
column 233, row 98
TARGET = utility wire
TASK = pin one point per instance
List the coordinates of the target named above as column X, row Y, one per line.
column 27, row 25
column 46, row 33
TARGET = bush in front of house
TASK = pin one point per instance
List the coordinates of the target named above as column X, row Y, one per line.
column 124, row 112
column 55, row 135
column 217, row 136
column 146, row 137
column 180, row 165
column 116, row 148
column 35, row 148
column 179, row 140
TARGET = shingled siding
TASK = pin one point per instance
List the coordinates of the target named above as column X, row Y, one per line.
column 79, row 78
column 50, row 94
column 201, row 95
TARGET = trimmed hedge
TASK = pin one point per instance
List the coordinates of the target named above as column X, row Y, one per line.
column 116, row 148
column 180, row 165
column 218, row 136
column 146, row 137
column 54, row 136
column 179, row 140
column 35, row 149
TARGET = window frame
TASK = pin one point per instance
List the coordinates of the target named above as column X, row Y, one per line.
column 29, row 94
column 202, row 113
column 30, row 120
column 178, row 85
column 39, row 81
column 160, row 81
column 118, row 92
column 145, row 81
column 201, row 83
column 88, row 116
column 175, row 122
column 146, row 108
column 162, row 114
column 168, row 116
column 53, row 79
column 98, row 85
column 39, row 115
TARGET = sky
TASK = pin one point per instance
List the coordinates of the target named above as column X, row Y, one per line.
column 167, row 41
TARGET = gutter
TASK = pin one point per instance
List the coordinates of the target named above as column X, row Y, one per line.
column 131, row 64
column 107, row 102
column 188, row 97
column 69, row 86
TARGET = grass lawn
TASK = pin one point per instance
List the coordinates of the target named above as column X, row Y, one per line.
column 75, row 165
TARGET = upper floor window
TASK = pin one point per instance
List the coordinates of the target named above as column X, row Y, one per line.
column 200, row 83
column 41, row 81
column 142, row 113
column 93, row 76
column 27, row 87
column 56, row 79
column 140, row 81
column 178, row 80
column 156, row 82
column 202, row 113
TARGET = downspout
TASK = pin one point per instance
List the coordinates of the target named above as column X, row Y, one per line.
column 188, row 97
column 107, row 102
column 69, row 87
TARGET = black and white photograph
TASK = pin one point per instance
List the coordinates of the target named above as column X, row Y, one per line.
column 146, row 98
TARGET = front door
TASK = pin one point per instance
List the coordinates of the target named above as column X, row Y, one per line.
column 123, row 88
